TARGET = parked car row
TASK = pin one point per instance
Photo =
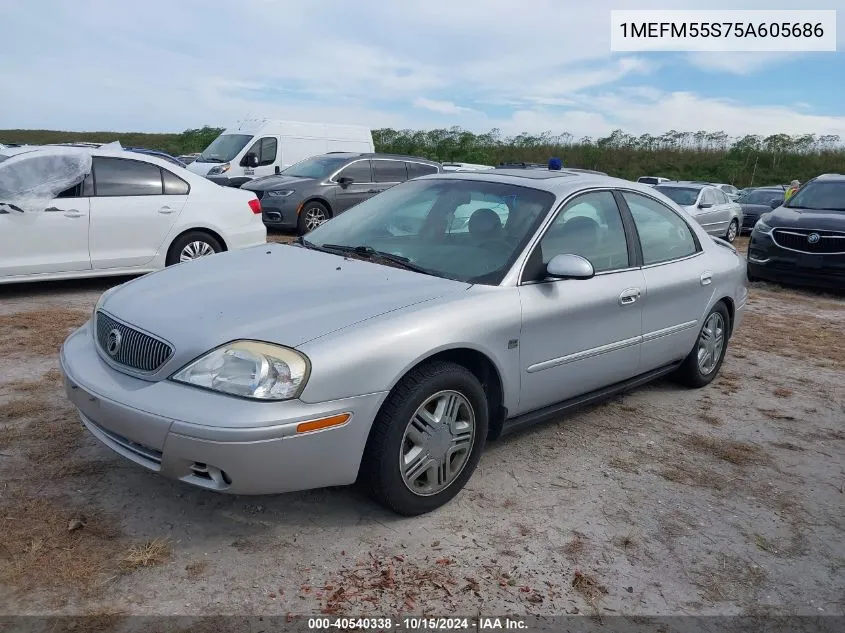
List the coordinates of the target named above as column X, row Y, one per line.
column 708, row 204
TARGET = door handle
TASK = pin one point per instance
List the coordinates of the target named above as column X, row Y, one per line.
column 73, row 213
column 629, row 296
column 165, row 210
column 706, row 278
column 52, row 209
column 374, row 190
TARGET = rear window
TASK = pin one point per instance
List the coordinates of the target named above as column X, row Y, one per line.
column 761, row 197
column 647, row 180
column 684, row 196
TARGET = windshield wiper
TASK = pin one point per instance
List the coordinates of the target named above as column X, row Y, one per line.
column 368, row 252
column 209, row 159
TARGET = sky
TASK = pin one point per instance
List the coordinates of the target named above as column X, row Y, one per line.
column 516, row 65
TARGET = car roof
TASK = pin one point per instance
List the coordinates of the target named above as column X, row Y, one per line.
column 685, row 184
column 831, row 177
column 559, row 182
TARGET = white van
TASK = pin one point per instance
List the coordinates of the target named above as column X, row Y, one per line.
column 262, row 147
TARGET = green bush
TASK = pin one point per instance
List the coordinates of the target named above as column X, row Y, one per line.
column 701, row 155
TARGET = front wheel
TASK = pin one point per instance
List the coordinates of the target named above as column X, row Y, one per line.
column 733, row 231
column 312, row 215
column 702, row 364
column 426, row 440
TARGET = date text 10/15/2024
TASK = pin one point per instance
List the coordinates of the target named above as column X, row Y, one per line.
column 417, row 624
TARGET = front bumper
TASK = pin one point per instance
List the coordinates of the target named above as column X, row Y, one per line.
column 210, row 440
column 768, row 261
column 279, row 213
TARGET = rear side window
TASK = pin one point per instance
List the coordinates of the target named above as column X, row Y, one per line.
column 126, row 177
column 173, row 185
column 389, row 171
column 416, row 170
column 664, row 235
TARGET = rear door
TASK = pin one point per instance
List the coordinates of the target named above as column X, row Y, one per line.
column 678, row 284
column 387, row 173
column 51, row 241
column 359, row 190
column 133, row 209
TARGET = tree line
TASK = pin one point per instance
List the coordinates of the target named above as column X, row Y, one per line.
column 680, row 155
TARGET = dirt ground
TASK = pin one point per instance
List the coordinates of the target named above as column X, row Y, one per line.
column 725, row 500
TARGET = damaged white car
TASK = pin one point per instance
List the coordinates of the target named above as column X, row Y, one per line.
column 70, row 212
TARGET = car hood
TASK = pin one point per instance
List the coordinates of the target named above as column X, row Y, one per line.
column 269, row 183
column 755, row 209
column 277, row 293
column 784, row 217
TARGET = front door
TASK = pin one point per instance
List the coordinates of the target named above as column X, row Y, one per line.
column 361, row 188
column 678, row 285
column 267, row 150
column 130, row 213
column 54, row 240
column 580, row 335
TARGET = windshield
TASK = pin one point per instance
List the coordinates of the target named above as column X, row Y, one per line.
column 761, row 196
column 318, row 167
column 683, row 196
column 466, row 230
column 819, row 196
column 224, row 148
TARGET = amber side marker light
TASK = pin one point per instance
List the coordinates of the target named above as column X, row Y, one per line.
column 323, row 423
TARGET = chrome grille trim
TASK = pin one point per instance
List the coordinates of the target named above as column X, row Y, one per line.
column 138, row 351
column 830, row 242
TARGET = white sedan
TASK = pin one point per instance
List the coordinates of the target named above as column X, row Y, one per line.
column 124, row 213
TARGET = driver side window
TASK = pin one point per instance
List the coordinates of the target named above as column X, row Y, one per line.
column 589, row 226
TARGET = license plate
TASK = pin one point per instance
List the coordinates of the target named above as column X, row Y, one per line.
column 811, row 261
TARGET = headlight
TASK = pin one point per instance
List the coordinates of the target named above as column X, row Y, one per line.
column 249, row 369
column 220, row 169
column 762, row 227
column 282, row 193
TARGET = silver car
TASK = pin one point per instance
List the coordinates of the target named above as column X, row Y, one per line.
column 709, row 205
column 389, row 344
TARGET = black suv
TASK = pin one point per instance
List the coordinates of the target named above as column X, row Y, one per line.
column 802, row 240
column 306, row 194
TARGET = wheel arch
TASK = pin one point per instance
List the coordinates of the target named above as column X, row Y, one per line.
column 315, row 198
column 200, row 229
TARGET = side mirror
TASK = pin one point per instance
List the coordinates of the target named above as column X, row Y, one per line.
column 250, row 160
column 345, row 181
column 569, row 267
column 774, row 203
column 705, row 205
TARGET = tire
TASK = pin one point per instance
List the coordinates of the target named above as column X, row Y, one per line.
column 197, row 241
column 391, row 442
column 691, row 373
column 311, row 212
column 733, row 231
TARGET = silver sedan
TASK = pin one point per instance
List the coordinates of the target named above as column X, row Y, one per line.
column 392, row 342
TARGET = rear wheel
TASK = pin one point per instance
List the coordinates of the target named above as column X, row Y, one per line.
column 426, row 440
column 704, row 361
column 733, row 231
column 312, row 215
column 192, row 245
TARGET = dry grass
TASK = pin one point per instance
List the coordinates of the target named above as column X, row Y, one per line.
column 625, row 465
column 739, row 453
column 808, row 338
column 782, row 392
column 150, row 554
column 576, row 545
column 280, row 238
column 729, row 579
column 49, row 544
column 38, row 332
column 197, row 569
column 774, row 414
column 588, row 587
column 690, row 475
column 713, row 420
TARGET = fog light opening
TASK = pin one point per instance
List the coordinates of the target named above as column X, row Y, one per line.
column 211, row 473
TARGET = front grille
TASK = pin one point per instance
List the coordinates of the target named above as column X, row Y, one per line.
column 829, row 242
column 135, row 349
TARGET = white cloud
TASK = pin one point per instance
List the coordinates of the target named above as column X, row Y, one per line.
column 443, row 107
column 476, row 63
